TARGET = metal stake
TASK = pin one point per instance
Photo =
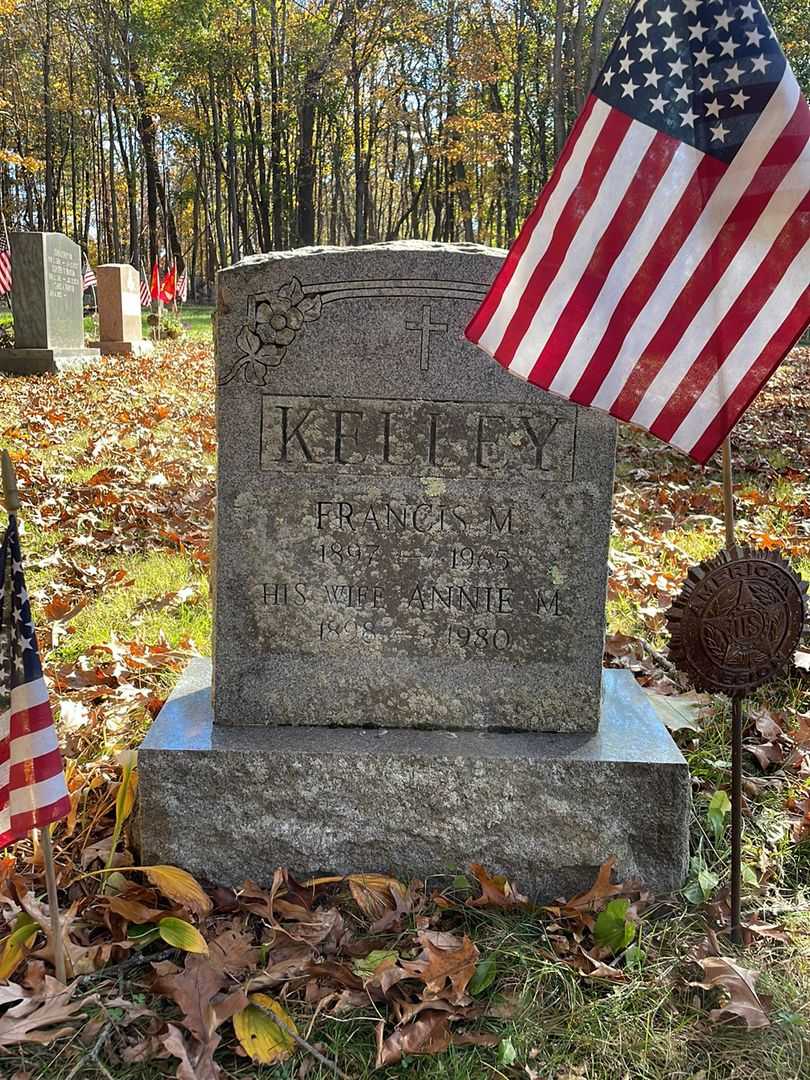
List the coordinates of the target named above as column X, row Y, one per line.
column 728, row 493
column 736, row 727
column 736, row 816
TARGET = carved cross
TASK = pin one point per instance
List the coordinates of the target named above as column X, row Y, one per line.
column 426, row 327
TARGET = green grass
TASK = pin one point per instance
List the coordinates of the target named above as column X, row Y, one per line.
column 130, row 610
column 196, row 319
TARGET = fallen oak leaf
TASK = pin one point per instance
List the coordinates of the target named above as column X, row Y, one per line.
column 739, row 983
column 444, row 959
column 602, row 889
column 196, row 1059
column 496, row 891
column 41, row 1021
column 430, row 1034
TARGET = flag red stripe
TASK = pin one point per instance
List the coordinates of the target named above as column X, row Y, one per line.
column 683, row 217
column 23, row 773
column 714, row 263
column 23, row 723
column 736, row 321
column 21, row 824
column 579, row 202
column 750, row 385
column 634, row 202
column 482, row 317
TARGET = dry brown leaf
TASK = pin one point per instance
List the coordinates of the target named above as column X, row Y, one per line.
column 496, row 891
column 721, row 972
column 133, row 910
column 41, row 1020
column 602, row 889
column 430, row 1034
column 444, row 959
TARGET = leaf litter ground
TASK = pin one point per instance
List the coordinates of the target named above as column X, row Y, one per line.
column 454, row 977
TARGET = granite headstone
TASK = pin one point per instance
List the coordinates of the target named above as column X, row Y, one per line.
column 46, row 296
column 410, row 568
column 406, row 535
column 119, row 310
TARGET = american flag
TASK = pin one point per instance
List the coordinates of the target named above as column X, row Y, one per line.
column 33, row 792
column 89, row 280
column 5, row 261
column 182, row 286
column 146, row 299
column 663, row 274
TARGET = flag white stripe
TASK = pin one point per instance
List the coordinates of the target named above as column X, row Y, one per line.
column 730, row 286
column 720, row 205
column 28, row 747
column 27, row 696
column 745, row 353
column 670, row 188
column 618, row 178
column 38, row 795
column 544, row 228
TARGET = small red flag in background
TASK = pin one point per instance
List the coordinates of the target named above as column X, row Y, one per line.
column 168, row 288
column 33, row 791
column 154, row 287
column 663, row 274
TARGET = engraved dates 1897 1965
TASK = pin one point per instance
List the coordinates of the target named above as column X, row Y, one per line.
column 738, row 620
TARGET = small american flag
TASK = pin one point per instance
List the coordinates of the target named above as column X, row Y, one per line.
column 89, row 280
column 663, row 274
column 33, row 792
column 146, row 299
column 5, row 261
column 182, row 286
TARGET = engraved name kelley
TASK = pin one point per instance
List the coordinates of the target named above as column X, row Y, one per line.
column 389, row 437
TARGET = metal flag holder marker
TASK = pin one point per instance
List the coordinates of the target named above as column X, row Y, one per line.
column 12, row 501
column 735, row 626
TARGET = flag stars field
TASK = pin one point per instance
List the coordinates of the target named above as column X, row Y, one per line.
column 662, row 275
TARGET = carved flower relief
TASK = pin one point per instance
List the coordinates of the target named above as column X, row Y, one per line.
column 277, row 318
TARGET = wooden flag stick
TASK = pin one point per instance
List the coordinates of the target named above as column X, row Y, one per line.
column 12, row 500
column 53, row 904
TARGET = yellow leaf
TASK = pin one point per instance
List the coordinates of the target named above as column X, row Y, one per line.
column 261, row 1037
column 125, row 799
column 179, row 886
column 373, row 893
column 182, row 935
column 15, row 945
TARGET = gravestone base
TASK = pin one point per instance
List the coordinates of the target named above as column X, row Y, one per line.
column 140, row 347
column 546, row 810
column 45, row 361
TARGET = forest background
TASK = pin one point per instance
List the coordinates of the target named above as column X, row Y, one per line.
column 202, row 131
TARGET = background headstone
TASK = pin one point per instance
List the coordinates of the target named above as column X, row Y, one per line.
column 422, row 538
column 119, row 310
column 363, row 446
column 47, row 299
